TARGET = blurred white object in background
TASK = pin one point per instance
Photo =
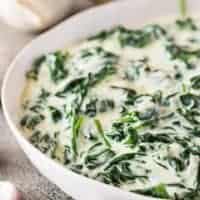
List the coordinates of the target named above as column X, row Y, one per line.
column 37, row 15
column 8, row 191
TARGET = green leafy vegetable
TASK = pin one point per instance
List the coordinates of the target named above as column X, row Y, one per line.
column 95, row 106
column 131, row 94
column 44, row 94
column 140, row 38
column 82, row 84
column 120, row 174
column 190, row 100
column 162, row 138
column 183, row 7
column 141, row 125
column 183, row 54
column 132, row 137
column 134, row 38
column 98, row 156
column 177, row 164
column 119, row 158
column 158, row 191
column 44, row 143
column 30, row 122
column 33, row 73
column 56, row 114
column 187, row 23
column 195, row 81
column 101, row 132
column 76, row 125
column 56, row 64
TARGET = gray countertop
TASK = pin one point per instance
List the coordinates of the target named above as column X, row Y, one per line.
column 14, row 166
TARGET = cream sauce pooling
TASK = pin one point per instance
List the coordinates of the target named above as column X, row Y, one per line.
column 122, row 108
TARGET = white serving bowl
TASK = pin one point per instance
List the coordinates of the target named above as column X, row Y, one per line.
column 127, row 12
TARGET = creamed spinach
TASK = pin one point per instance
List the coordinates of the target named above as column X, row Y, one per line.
column 122, row 107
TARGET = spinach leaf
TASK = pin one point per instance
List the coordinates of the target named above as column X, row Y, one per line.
column 131, row 94
column 132, row 137
column 121, row 173
column 119, row 158
column 31, row 121
column 159, row 98
column 136, row 38
column 158, row 191
column 106, row 105
column 198, row 177
column 183, row 54
column 140, row 38
column 190, row 108
column 56, row 63
column 56, row 114
column 44, row 143
column 101, row 75
column 195, row 82
column 160, row 137
column 76, row 126
column 195, row 131
column 183, row 7
column 80, row 86
column 133, row 72
column 36, row 108
column 187, row 23
column 44, row 94
column 33, row 73
column 66, row 155
column 190, row 195
column 98, row 156
column 100, row 36
column 190, row 115
column 101, row 133
column 190, row 100
column 95, row 106
column 107, row 56
column 177, row 164
column 126, row 128
column 91, row 108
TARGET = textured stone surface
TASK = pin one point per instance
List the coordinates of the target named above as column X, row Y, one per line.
column 14, row 165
